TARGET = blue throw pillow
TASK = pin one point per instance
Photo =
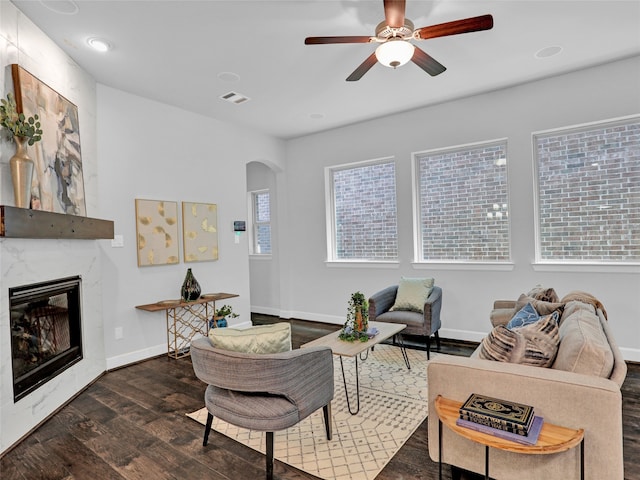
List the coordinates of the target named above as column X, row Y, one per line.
column 525, row 316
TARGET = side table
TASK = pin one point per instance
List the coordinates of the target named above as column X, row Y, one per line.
column 552, row 439
column 186, row 319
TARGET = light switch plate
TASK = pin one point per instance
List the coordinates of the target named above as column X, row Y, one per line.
column 117, row 241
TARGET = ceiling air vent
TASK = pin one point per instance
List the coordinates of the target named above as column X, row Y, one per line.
column 234, row 97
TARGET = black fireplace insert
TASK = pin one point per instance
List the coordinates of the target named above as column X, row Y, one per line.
column 46, row 334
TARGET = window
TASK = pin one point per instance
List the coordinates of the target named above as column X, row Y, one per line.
column 362, row 211
column 588, row 188
column 462, row 204
column 261, row 222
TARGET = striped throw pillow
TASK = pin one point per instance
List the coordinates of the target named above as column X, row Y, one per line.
column 534, row 344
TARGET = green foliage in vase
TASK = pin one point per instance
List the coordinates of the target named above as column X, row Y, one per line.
column 17, row 123
column 355, row 328
column 226, row 311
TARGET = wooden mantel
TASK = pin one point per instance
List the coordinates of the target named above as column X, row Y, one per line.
column 25, row 223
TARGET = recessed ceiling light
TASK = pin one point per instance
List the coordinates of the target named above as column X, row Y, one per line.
column 63, row 7
column 99, row 44
column 548, row 52
column 228, row 76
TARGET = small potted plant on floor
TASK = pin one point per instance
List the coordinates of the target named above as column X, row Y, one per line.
column 357, row 325
column 219, row 319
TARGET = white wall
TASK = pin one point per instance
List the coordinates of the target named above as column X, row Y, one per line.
column 311, row 289
column 153, row 151
column 264, row 269
column 25, row 261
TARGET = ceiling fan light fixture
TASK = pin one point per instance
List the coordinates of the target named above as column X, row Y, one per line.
column 394, row 52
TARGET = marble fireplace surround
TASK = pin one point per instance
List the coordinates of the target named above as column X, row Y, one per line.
column 30, row 260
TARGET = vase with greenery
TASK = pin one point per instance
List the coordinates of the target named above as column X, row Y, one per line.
column 357, row 324
column 25, row 130
column 220, row 316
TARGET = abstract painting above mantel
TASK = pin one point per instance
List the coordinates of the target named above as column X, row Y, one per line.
column 200, row 231
column 58, row 184
column 157, row 232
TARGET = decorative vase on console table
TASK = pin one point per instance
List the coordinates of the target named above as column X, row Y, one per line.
column 21, row 173
column 190, row 288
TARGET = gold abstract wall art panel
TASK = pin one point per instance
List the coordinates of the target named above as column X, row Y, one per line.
column 200, row 231
column 157, row 232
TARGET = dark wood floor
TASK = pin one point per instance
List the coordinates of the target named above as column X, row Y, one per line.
column 131, row 424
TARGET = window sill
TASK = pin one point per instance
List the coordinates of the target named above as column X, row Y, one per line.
column 260, row 256
column 586, row 267
column 488, row 266
column 362, row 264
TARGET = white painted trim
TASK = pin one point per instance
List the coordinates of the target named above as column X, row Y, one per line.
column 266, row 310
column 497, row 267
column 362, row 264
column 630, row 354
column 261, row 257
column 586, row 267
column 137, row 356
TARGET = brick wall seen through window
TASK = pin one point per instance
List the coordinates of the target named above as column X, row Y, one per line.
column 364, row 216
column 589, row 193
column 261, row 222
column 463, row 206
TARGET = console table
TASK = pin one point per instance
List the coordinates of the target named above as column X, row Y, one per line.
column 186, row 319
column 552, row 439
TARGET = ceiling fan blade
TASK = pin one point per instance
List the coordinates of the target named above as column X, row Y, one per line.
column 427, row 63
column 394, row 13
column 326, row 40
column 363, row 68
column 473, row 24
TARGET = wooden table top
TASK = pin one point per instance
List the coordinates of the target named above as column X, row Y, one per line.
column 552, row 439
column 351, row 349
column 177, row 303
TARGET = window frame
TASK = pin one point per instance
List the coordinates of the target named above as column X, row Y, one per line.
column 330, row 214
column 587, row 265
column 455, row 264
column 253, row 230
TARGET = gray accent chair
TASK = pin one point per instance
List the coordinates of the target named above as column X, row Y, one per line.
column 424, row 324
column 264, row 392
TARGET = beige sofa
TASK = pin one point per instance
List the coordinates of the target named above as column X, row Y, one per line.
column 590, row 400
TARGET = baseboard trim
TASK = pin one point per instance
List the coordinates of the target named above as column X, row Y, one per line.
column 137, row 356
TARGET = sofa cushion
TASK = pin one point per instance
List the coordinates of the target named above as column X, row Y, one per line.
column 412, row 294
column 534, row 344
column 583, row 345
column 545, row 294
column 574, row 306
column 525, row 316
column 584, row 297
column 541, row 306
column 273, row 338
column 500, row 316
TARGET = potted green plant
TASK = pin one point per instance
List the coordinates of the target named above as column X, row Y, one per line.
column 220, row 316
column 25, row 130
column 17, row 123
column 357, row 324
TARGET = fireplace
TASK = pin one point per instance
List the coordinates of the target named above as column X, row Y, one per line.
column 46, row 339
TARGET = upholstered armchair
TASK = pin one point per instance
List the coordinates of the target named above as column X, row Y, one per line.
column 264, row 392
column 424, row 324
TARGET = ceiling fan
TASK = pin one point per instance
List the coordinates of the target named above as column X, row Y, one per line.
column 394, row 35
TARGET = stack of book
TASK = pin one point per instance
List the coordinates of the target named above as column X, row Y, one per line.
column 501, row 418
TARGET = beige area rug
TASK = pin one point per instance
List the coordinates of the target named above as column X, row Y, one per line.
column 393, row 403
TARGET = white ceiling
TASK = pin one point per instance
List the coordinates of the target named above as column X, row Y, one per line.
column 174, row 51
